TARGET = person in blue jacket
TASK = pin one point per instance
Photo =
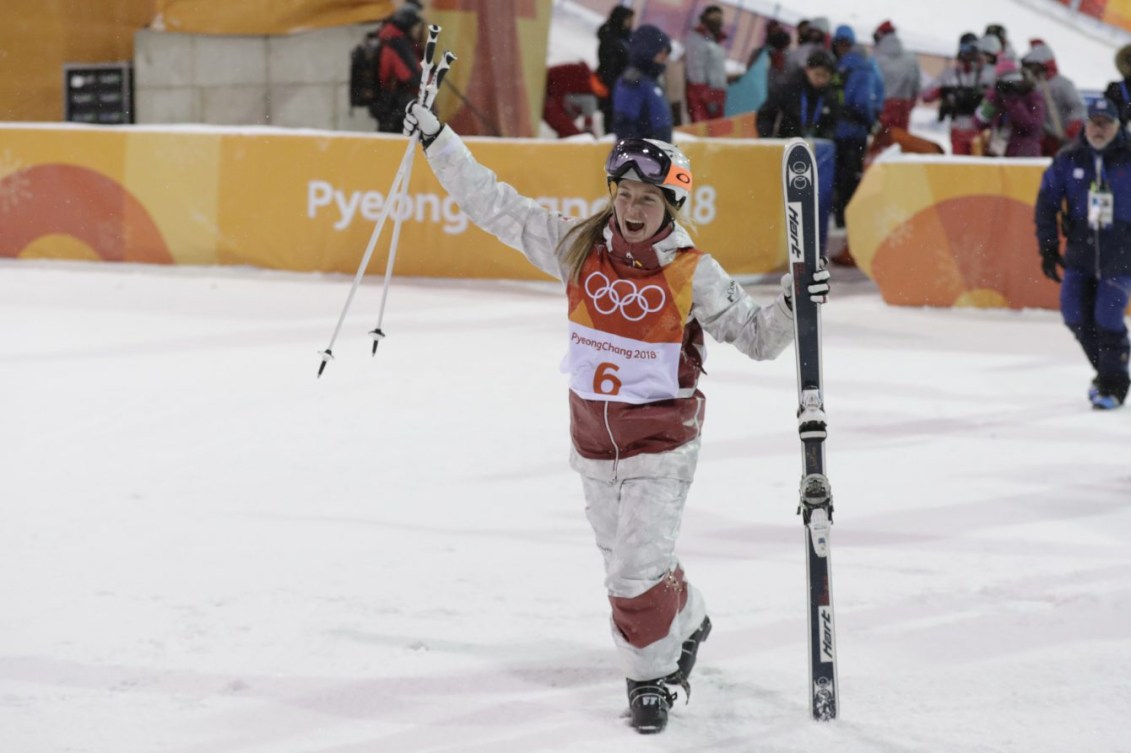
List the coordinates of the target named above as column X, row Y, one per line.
column 1086, row 195
column 640, row 109
column 862, row 97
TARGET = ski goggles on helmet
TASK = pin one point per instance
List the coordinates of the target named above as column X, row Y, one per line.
column 649, row 163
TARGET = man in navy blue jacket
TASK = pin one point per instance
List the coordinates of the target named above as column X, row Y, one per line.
column 640, row 109
column 1088, row 189
column 861, row 90
column 803, row 105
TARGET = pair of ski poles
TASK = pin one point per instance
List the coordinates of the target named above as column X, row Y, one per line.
column 429, row 88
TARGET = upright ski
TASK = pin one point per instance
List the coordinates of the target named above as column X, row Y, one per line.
column 799, row 176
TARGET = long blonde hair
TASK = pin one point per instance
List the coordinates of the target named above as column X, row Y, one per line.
column 580, row 240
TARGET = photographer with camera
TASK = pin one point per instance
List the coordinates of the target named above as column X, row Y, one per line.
column 959, row 91
column 1013, row 112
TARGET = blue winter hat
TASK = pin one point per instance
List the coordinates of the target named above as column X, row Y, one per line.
column 844, row 33
column 1103, row 108
column 646, row 42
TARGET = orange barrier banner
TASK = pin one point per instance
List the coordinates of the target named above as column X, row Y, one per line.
column 308, row 201
column 744, row 126
column 265, row 17
column 951, row 232
column 1113, row 12
column 1117, row 13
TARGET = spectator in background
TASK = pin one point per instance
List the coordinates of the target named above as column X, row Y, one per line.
column 572, row 93
column 1005, row 49
column 1014, row 113
column 1086, row 194
column 774, row 54
column 640, row 109
column 612, row 55
column 803, row 27
column 766, row 70
column 959, row 91
column 417, row 6
column 1119, row 92
column 815, row 37
column 398, row 67
column 901, row 76
column 1064, row 107
column 804, row 105
column 861, row 96
column 704, row 69
column 989, row 47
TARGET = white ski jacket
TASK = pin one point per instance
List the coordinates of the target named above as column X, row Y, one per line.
column 617, row 439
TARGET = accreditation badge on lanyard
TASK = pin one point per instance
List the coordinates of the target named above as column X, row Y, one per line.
column 1101, row 202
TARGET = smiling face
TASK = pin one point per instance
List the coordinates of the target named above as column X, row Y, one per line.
column 640, row 209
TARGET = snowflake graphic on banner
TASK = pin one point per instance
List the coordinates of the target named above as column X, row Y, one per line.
column 14, row 186
column 894, row 224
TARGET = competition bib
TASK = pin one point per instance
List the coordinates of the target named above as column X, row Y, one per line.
column 626, row 332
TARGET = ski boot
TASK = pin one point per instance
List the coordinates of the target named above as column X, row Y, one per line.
column 648, row 705
column 690, row 653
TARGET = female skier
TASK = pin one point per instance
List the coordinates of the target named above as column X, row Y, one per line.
column 640, row 297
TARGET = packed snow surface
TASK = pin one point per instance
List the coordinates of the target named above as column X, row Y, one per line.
column 206, row 548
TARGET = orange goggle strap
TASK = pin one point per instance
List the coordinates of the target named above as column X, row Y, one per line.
column 678, row 177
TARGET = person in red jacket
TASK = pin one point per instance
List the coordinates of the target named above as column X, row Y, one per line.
column 705, row 67
column 398, row 67
column 573, row 92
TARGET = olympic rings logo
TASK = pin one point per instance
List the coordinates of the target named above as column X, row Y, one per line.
column 800, row 177
column 623, row 296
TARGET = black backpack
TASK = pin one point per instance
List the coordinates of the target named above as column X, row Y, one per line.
column 363, row 71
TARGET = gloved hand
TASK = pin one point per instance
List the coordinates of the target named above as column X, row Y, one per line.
column 1050, row 260
column 419, row 119
column 818, row 287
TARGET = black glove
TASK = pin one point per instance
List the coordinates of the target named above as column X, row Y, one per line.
column 966, row 100
column 1050, row 260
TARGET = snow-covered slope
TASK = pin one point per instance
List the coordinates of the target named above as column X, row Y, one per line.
column 205, row 549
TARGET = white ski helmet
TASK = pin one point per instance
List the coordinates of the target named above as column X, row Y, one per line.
column 651, row 161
